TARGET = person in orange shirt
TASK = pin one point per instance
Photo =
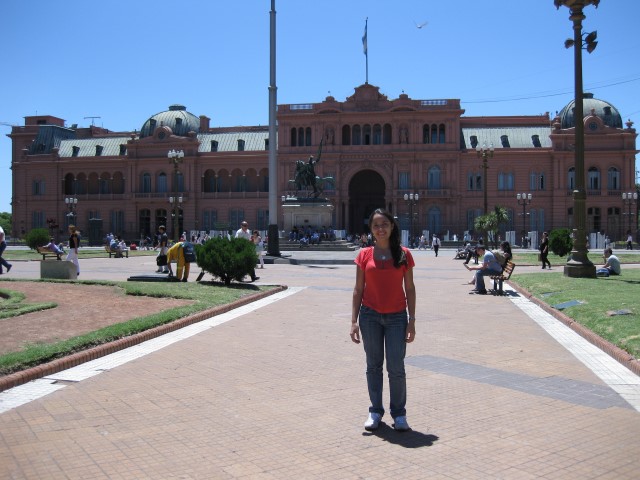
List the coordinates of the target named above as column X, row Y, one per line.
column 383, row 312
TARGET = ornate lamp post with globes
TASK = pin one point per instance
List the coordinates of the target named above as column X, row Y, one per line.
column 629, row 199
column 579, row 264
column 524, row 199
column 175, row 157
column 412, row 201
column 485, row 153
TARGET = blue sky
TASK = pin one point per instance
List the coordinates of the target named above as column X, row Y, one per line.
column 124, row 61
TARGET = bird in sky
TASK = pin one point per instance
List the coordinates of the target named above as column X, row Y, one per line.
column 420, row 25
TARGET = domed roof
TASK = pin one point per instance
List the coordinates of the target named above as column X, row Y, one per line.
column 607, row 112
column 176, row 118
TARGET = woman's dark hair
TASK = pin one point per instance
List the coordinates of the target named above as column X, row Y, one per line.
column 506, row 247
column 397, row 253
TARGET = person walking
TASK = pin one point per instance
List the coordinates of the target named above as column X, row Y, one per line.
column 3, row 246
column 74, row 244
column 163, row 248
column 383, row 315
column 243, row 232
column 257, row 240
column 435, row 243
column 544, row 250
column 629, row 241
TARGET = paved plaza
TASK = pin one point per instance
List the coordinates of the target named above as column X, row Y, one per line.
column 497, row 389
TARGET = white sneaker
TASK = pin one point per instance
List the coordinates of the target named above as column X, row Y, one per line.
column 400, row 424
column 373, row 421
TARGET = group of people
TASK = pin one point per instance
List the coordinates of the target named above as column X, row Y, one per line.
column 492, row 264
column 117, row 245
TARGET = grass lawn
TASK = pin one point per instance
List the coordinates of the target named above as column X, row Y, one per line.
column 205, row 295
column 598, row 298
column 531, row 258
column 25, row 254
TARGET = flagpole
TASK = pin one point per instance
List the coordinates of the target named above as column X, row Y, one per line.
column 366, row 51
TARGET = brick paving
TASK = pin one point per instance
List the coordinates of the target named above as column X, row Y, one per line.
column 278, row 391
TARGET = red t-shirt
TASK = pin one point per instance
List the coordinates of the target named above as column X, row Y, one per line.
column 383, row 283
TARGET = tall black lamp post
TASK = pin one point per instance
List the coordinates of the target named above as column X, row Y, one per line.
column 485, row 153
column 412, row 201
column 524, row 199
column 175, row 157
column 579, row 264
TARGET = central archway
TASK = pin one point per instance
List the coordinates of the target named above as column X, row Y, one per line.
column 366, row 193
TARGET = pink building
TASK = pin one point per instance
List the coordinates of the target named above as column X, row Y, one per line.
column 376, row 149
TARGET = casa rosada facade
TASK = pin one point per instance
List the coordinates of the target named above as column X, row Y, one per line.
column 377, row 151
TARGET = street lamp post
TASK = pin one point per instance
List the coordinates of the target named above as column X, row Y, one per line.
column 629, row 199
column 175, row 157
column 72, row 205
column 485, row 153
column 176, row 205
column 524, row 199
column 412, row 201
column 579, row 264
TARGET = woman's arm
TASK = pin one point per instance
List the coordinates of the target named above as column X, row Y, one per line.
column 410, row 292
column 358, row 290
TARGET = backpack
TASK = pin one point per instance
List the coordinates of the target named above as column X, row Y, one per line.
column 189, row 252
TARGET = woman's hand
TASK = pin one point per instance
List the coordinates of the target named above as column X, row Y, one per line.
column 355, row 333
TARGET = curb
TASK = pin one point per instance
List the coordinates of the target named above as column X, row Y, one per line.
column 607, row 347
column 55, row 366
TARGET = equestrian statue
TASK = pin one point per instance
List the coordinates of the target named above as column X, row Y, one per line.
column 306, row 178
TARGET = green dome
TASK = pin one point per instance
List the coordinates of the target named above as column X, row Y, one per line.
column 604, row 110
column 176, row 118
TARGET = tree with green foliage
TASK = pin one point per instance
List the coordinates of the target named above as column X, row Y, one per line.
column 37, row 238
column 5, row 222
column 227, row 259
column 560, row 241
column 490, row 224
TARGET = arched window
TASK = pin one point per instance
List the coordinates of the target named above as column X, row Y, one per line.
column 386, row 134
column 593, row 179
column 434, row 133
column 571, row 179
column 426, row 137
column 474, row 181
column 294, row 137
column 69, row 184
column 307, row 136
column 346, row 135
column 179, row 187
column 145, row 184
column 377, row 134
column 117, row 183
column 300, row 137
column 161, row 183
column 209, row 185
column 105, row 184
column 613, row 179
column 434, row 220
column 433, row 178
column 366, row 135
column 357, row 135
column 441, row 134
column 144, row 219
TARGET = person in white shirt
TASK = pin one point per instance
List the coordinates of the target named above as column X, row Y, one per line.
column 244, row 232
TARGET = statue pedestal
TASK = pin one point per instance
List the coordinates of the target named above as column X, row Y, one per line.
column 303, row 212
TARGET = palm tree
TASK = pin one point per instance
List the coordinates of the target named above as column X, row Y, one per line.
column 490, row 224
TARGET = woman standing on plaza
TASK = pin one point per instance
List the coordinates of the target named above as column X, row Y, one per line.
column 383, row 293
column 74, row 244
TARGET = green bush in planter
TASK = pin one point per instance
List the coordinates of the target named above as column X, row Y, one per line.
column 227, row 259
column 37, row 237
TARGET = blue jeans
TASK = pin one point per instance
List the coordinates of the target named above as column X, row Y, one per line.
column 385, row 332
column 480, row 274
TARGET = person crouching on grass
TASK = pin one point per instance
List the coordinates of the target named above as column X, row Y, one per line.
column 176, row 252
column 383, row 293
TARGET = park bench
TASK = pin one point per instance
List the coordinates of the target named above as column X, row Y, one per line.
column 45, row 252
column 116, row 253
column 498, row 280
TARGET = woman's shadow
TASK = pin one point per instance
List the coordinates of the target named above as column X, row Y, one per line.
column 408, row 439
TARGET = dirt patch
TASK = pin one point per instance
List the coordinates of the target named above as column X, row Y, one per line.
column 81, row 309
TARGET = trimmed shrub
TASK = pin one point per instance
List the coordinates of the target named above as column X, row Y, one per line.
column 560, row 242
column 227, row 259
column 37, row 238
